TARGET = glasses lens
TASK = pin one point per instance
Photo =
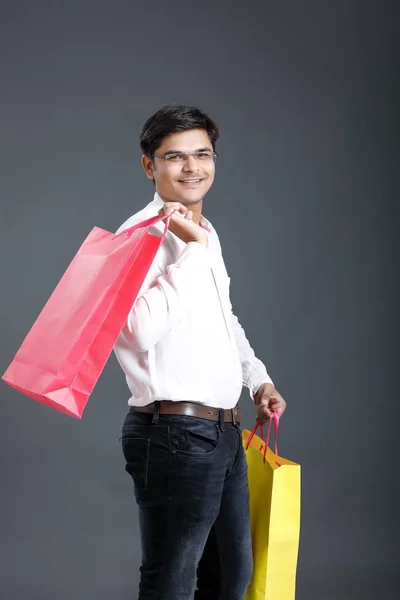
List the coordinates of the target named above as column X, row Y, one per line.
column 206, row 155
column 181, row 157
column 176, row 157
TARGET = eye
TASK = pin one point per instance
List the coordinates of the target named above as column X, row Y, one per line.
column 203, row 155
column 174, row 157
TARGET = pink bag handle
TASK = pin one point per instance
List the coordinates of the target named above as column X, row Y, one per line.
column 275, row 419
column 152, row 221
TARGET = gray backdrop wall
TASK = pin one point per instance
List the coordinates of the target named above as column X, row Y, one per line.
column 306, row 95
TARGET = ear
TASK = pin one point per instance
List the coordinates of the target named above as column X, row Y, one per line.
column 148, row 166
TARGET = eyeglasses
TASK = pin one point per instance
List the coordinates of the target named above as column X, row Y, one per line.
column 204, row 156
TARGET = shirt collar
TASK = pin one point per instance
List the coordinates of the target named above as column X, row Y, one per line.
column 159, row 203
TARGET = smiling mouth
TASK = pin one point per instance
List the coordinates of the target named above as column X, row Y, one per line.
column 196, row 180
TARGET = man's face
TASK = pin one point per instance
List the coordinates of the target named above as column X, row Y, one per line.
column 185, row 181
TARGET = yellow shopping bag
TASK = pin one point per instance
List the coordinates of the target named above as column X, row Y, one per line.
column 274, row 484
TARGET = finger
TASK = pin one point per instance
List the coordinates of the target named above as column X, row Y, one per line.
column 177, row 207
column 274, row 401
column 189, row 215
column 169, row 210
column 277, row 403
column 262, row 420
column 264, row 410
column 279, row 408
column 171, row 207
column 265, row 401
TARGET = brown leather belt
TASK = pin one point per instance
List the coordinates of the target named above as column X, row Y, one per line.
column 192, row 409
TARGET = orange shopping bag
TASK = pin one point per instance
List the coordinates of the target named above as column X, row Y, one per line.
column 64, row 353
column 274, row 484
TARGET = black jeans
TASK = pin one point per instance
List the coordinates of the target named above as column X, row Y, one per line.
column 191, row 487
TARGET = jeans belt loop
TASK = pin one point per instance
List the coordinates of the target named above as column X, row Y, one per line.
column 221, row 419
column 156, row 412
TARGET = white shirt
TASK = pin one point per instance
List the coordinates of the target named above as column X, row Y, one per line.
column 181, row 340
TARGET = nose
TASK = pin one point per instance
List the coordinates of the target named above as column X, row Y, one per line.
column 191, row 164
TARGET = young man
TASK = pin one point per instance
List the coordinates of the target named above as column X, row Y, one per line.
column 186, row 358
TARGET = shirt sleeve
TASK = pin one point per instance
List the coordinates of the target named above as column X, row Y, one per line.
column 254, row 371
column 165, row 295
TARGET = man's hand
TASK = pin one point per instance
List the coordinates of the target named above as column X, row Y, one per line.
column 268, row 397
column 184, row 228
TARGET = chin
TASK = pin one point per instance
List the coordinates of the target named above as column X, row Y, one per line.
column 191, row 199
column 193, row 196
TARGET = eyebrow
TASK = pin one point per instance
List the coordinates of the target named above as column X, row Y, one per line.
column 182, row 152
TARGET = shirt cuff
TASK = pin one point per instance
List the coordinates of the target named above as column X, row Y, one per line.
column 256, row 380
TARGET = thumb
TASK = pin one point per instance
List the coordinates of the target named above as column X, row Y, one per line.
column 189, row 215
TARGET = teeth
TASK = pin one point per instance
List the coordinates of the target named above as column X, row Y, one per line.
column 190, row 180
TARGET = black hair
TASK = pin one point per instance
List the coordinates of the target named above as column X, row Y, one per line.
column 172, row 119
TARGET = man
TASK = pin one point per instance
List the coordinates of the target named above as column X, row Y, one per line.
column 186, row 359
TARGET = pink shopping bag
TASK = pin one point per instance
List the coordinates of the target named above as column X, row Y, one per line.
column 64, row 353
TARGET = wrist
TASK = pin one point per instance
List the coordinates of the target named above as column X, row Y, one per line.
column 264, row 387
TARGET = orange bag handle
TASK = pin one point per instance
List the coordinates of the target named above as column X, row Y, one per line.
column 275, row 419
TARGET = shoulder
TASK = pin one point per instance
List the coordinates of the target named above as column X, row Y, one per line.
column 151, row 210
column 141, row 215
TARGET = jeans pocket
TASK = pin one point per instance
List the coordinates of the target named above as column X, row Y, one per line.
column 137, row 453
column 193, row 438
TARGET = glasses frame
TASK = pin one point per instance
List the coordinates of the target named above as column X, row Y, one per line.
column 186, row 154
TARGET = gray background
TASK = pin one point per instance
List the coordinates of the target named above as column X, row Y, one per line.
column 306, row 96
